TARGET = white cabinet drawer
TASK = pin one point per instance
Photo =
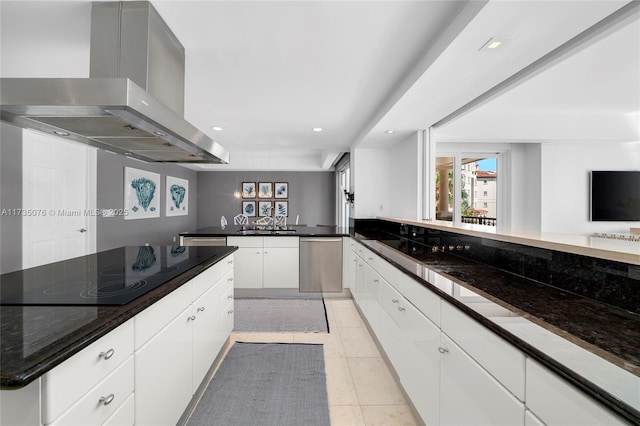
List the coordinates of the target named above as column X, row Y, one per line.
column 390, row 273
column 124, row 415
column 499, row 358
column 419, row 296
column 68, row 382
column 556, row 402
column 281, row 242
column 103, row 400
column 150, row 321
column 391, row 300
column 209, row 277
column 245, row 241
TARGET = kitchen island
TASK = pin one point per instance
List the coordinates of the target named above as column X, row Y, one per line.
column 572, row 320
column 55, row 316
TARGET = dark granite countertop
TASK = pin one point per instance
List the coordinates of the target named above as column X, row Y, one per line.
column 593, row 345
column 250, row 230
column 36, row 338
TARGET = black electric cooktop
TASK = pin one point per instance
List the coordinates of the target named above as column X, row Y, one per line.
column 112, row 277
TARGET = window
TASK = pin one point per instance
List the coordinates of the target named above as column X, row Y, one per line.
column 456, row 193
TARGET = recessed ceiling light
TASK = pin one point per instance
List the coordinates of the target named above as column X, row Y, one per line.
column 160, row 133
column 59, row 133
column 390, row 131
column 494, row 44
column 317, row 129
column 216, row 128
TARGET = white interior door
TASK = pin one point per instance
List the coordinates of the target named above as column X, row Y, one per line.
column 58, row 197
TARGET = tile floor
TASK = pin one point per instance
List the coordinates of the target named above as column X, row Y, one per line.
column 361, row 389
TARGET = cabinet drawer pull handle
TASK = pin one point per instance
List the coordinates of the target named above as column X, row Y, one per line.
column 191, row 318
column 230, row 312
column 106, row 400
column 376, row 281
column 108, row 354
column 394, row 300
column 230, row 279
column 230, row 296
column 400, row 308
column 257, row 252
column 442, row 350
column 266, row 252
column 200, row 309
column 371, row 258
column 229, row 262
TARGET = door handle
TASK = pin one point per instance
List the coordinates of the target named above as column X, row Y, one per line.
column 82, row 230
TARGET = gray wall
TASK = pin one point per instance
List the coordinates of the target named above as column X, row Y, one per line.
column 10, row 197
column 311, row 195
column 115, row 231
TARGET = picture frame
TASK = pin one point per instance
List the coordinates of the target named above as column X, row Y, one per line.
column 281, row 190
column 249, row 208
column 248, row 190
column 265, row 208
column 141, row 194
column 176, row 196
column 281, row 208
column 265, row 190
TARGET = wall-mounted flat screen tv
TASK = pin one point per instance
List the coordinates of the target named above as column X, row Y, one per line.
column 615, row 196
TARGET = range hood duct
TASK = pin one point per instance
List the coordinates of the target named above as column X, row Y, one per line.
column 133, row 101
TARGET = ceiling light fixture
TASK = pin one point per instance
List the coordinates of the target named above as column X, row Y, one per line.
column 317, row 129
column 216, row 128
column 494, row 44
column 59, row 133
column 390, row 131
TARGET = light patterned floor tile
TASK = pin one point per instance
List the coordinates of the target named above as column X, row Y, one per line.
column 331, row 342
column 347, row 317
column 346, row 415
column 340, row 388
column 387, row 415
column 357, row 342
column 374, row 383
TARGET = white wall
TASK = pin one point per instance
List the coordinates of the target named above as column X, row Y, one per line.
column 370, row 175
column 45, row 38
column 565, row 183
column 525, row 186
column 405, row 198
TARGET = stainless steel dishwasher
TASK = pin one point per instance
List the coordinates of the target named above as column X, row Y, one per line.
column 320, row 264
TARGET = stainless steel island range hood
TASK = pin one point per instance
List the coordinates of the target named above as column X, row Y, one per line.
column 133, row 101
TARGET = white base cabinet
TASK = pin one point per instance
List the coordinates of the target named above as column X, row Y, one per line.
column 454, row 370
column 266, row 262
column 469, row 395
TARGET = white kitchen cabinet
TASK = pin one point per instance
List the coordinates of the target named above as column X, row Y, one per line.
column 372, row 293
column 209, row 334
column 556, row 403
column 248, row 261
column 390, row 336
column 346, row 258
column 360, row 273
column 470, row 395
column 124, row 415
column 70, row 381
column 267, row 262
column 419, row 364
column 103, row 400
column 497, row 356
column 163, row 373
column 531, row 419
column 170, row 365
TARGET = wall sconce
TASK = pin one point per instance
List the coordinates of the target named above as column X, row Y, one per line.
column 349, row 196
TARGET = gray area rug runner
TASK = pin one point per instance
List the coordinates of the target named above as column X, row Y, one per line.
column 280, row 315
column 267, row 384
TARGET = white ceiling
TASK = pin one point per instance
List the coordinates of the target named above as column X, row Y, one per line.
column 267, row 72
